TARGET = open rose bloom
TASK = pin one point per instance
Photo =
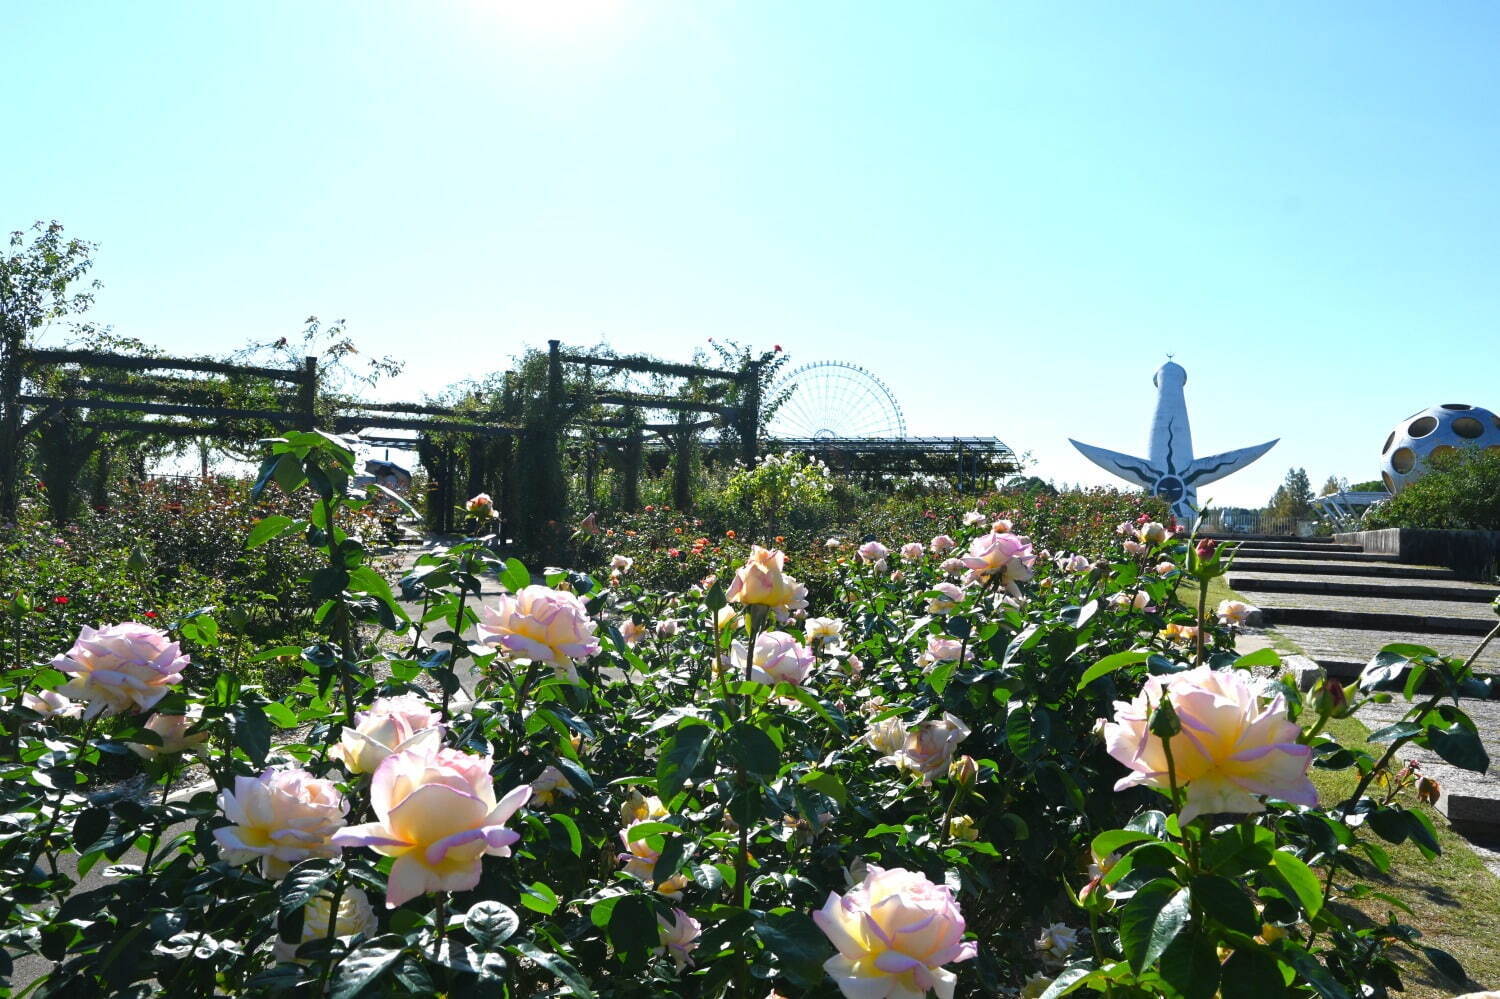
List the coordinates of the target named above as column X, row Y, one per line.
column 1000, row 554
column 280, row 818
column 125, row 667
column 1231, row 751
column 390, row 725
column 779, row 658
column 436, row 813
column 540, row 624
column 894, row 932
column 928, row 749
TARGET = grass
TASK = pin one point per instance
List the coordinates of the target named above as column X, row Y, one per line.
column 1454, row 898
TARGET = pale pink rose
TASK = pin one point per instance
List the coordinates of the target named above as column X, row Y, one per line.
column 825, row 629
column 779, row 658
column 621, row 563
column 1000, row 554
column 1125, row 528
column 941, row 545
column 853, row 665
column 640, row 859
column 832, row 543
column 1165, row 568
column 1133, row 547
column 481, row 506
column 954, row 566
column 886, row 736
column 1002, row 526
column 950, row 596
column 173, row 732
column 51, row 704
column 912, row 551
column 1232, row 748
column 550, row 785
column 894, row 932
column 873, row 551
column 124, row 667
column 666, row 630
column 679, row 937
column 632, row 632
column 796, row 606
column 929, row 748
column 354, row 921
column 1235, row 612
column 761, row 580
column 541, row 625
column 1151, row 533
column 1074, row 563
column 389, row 725
column 973, row 518
column 280, row 818
column 897, row 576
column 1055, row 943
column 1139, row 600
column 436, row 813
column 942, row 650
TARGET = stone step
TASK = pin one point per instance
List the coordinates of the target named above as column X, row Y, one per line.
column 1345, row 651
column 1229, row 536
column 1302, row 554
column 1394, row 570
column 1332, row 611
column 1384, row 589
column 1302, row 544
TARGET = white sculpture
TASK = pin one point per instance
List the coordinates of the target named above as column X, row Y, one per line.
column 1432, row 432
column 1172, row 472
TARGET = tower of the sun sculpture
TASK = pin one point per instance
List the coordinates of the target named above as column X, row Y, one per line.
column 1172, row 472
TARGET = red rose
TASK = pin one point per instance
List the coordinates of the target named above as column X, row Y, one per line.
column 59, row 600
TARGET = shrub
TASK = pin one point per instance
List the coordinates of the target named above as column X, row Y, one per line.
column 1460, row 492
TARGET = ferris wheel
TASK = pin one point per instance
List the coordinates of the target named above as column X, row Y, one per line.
column 833, row 399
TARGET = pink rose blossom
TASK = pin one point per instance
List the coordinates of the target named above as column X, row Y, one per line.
column 1232, row 748
column 894, row 932
column 389, row 725
column 436, row 813
column 280, row 818
column 541, row 625
column 679, row 937
column 1005, row 555
column 779, row 658
column 124, row 667
column 912, row 551
column 873, row 551
column 941, row 545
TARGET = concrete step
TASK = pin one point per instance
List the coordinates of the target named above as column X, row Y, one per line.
column 1384, row 589
column 1345, row 651
column 1341, row 567
column 1229, row 536
column 1303, row 554
column 1300, row 544
column 1331, row 611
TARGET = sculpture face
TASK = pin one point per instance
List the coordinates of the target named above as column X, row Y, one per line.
column 1172, row 473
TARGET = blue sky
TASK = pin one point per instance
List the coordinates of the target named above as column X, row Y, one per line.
column 1009, row 212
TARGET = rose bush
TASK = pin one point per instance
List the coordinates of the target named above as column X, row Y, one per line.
column 909, row 779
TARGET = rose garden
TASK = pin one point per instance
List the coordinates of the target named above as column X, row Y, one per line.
column 993, row 757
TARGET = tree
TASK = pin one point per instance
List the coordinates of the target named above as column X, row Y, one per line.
column 1333, row 485
column 1293, row 498
column 39, row 281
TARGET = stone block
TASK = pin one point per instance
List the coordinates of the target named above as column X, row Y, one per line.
column 1306, row 672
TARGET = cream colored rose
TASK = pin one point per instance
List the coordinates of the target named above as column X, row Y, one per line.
column 1232, row 750
column 886, row 736
column 551, row 784
column 51, row 704
column 540, row 624
column 172, row 730
column 894, row 932
column 389, row 725
column 929, row 748
column 436, row 813
column 355, row 920
column 280, row 818
column 761, row 580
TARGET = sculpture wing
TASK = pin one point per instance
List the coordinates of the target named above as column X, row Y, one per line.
column 1136, row 470
column 1215, row 467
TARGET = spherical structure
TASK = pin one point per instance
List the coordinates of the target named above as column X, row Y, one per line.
column 835, row 399
column 1431, row 432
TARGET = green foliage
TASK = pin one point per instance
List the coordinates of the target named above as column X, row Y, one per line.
column 1460, row 492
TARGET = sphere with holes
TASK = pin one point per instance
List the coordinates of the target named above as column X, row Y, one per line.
column 1434, row 431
